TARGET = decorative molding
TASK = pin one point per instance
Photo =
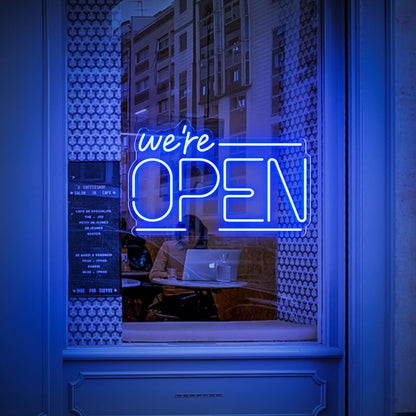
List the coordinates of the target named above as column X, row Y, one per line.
column 370, row 215
column 233, row 351
column 222, row 390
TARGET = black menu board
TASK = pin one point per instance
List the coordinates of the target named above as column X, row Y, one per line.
column 94, row 219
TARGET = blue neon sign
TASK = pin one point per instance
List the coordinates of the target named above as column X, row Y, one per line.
column 255, row 185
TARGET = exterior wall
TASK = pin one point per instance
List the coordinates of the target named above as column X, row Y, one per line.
column 191, row 386
column 405, row 175
column 23, row 255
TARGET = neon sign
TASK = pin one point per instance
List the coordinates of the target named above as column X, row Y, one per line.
column 249, row 186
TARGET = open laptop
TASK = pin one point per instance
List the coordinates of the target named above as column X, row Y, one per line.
column 202, row 264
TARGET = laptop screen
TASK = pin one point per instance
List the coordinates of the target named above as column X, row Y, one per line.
column 202, row 264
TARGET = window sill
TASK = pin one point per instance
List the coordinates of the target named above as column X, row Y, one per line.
column 205, row 350
column 235, row 331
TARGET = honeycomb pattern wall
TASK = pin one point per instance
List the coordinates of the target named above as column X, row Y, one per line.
column 297, row 264
column 95, row 321
column 93, row 117
column 93, row 66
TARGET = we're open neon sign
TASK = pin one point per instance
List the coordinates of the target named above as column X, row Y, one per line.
column 256, row 186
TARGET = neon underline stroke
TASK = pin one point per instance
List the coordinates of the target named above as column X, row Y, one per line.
column 259, row 229
column 159, row 229
column 261, row 144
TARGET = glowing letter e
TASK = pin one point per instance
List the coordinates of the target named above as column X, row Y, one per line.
column 134, row 190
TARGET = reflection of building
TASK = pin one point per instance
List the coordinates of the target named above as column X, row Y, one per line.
column 213, row 62
column 243, row 69
column 238, row 74
column 178, row 67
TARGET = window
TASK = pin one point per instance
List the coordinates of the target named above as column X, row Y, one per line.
column 183, row 5
column 238, row 114
column 163, row 105
column 142, row 55
column 278, row 70
column 277, row 60
column 163, row 80
column 163, row 47
column 182, row 83
column 183, row 42
column 163, row 74
column 232, row 12
column 163, row 43
column 183, row 91
column 206, row 27
column 236, row 75
column 281, row 273
column 142, row 91
column 142, row 85
column 238, row 102
column 164, row 115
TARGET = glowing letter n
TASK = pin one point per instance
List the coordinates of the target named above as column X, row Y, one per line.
column 288, row 194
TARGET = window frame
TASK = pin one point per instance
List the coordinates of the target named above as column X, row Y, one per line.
column 330, row 328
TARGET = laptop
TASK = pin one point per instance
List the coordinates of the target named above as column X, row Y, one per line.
column 202, row 264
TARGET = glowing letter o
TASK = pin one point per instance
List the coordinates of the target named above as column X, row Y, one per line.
column 133, row 190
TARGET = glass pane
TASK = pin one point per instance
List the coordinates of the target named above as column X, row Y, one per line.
column 204, row 204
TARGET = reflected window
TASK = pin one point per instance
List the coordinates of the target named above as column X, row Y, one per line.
column 142, row 55
column 183, row 42
column 183, row 4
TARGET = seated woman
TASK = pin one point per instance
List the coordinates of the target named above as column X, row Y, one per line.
column 179, row 303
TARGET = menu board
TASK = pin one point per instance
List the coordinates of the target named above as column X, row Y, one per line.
column 94, row 222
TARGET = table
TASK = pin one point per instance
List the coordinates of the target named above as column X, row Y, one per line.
column 199, row 284
column 126, row 283
column 200, row 287
column 134, row 274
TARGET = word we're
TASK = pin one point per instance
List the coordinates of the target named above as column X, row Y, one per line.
column 169, row 142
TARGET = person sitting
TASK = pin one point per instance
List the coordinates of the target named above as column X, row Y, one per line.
column 177, row 302
column 137, row 253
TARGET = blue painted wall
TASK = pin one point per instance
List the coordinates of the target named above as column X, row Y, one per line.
column 22, row 250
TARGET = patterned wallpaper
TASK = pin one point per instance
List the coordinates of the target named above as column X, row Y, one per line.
column 297, row 262
column 93, row 69
column 94, row 116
